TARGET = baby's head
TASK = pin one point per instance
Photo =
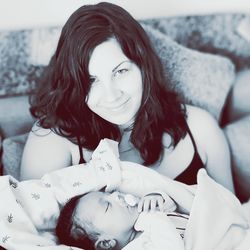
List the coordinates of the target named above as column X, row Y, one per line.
column 97, row 220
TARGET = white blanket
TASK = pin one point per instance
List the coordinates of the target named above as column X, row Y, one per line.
column 29, row 209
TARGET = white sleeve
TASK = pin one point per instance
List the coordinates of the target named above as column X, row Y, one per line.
column 103, row 170
column 158, row 233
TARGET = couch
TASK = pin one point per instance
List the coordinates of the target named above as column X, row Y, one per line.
column 206, row 60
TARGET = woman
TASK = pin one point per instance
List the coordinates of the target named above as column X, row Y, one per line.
column 106, row 81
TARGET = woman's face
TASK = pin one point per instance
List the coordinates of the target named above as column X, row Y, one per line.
column 116, row 90
column 107, row 213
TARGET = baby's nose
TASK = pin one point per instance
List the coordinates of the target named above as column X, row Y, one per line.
column 115, row 195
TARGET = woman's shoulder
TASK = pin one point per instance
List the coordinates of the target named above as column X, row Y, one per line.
column 204, row 127
column 199, row 119
column 41, row 137
column 48, row 134
column 44, row 151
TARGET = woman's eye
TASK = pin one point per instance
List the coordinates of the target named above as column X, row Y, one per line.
column 93, row 80
column 121, row 71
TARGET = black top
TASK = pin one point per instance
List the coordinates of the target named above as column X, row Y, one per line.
column 80, row 151
column 188, row 176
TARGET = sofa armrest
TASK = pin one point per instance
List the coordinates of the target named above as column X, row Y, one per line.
column 239, row 142
column 12, row 154
column 15, row 117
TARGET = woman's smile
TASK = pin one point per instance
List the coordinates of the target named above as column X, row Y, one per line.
column 118, row 107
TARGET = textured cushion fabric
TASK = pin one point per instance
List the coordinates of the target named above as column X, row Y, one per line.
column 201, row 79
column 225, row 34
column 239, row 141
column 19, row 48
column 1, row 166
column 12, row 154
column 15, row 117
column 238, row 104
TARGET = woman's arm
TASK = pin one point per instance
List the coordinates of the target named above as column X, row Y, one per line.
column 211, row 140
column 44, row 152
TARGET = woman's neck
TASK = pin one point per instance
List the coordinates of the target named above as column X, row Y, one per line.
column 125, row 143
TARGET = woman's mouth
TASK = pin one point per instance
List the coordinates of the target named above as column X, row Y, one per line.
column 119, row 107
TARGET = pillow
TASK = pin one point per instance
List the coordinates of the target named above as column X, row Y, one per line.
column 15, row 118
column 238, row 99
column 1, row 166
column 224, row 34
column 201, row 79
column 12, row 154
column 239, row 144
column 22, row 57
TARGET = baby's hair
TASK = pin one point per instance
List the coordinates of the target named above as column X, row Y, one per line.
column 67, row 228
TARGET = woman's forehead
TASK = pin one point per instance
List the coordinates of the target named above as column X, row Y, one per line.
column 106, row 56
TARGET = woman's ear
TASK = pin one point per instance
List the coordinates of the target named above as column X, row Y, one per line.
column 105, row 244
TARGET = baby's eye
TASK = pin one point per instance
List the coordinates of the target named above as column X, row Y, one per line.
column 107, row 206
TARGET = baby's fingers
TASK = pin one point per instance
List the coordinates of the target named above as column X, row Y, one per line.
column 140, row 205
column 144, row 205
column 153, row 204
column 161, row 204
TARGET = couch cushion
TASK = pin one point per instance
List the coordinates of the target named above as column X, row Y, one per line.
column 238, row 104
column 239, row 141
column 225, row 34
column 15, row 117
column 1, row 166
column 201, row 79
column 12, row 154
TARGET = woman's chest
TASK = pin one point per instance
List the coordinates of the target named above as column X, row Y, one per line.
column 172, row 162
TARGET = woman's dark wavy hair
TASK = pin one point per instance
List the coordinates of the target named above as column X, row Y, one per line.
column 59, row 102
column 65, row 225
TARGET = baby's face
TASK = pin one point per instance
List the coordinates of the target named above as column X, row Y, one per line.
column 107, row 213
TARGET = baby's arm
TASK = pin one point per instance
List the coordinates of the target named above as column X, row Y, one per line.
column 102, row 171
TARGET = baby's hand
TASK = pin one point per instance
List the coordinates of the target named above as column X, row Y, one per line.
column 150, row 202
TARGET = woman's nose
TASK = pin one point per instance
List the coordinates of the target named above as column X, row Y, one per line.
column 111, row 94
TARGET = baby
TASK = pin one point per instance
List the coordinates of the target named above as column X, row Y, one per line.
column 99, row 220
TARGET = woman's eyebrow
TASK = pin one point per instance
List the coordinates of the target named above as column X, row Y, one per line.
column 114, row 69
